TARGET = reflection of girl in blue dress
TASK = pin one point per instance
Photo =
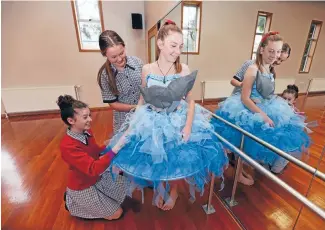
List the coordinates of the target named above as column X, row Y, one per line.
column 168, row 138
column 257, row 110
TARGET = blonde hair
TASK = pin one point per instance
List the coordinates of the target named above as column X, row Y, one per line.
column 163, row 33
column 270, row 36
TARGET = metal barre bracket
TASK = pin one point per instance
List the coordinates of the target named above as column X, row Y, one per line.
column 208, row 208
column 202, row 91
column 231, row 202
column 76, row 89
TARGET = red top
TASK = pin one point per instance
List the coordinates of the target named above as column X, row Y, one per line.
column 85, row 166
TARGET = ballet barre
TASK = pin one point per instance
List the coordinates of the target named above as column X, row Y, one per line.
column 274, row 178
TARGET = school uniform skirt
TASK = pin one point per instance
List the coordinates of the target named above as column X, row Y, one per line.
column 101, row 200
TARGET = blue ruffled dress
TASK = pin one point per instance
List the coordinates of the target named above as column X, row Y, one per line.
column 288, row 134
column 155, row 152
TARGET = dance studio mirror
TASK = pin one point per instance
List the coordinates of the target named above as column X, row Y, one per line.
column 219, row 37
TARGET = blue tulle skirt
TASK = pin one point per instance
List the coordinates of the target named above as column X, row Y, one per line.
column 289, row 133
column 155, row 151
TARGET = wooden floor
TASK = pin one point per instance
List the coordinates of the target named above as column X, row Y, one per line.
column 33, row 180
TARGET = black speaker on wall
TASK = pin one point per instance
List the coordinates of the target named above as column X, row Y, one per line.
column 137, row 21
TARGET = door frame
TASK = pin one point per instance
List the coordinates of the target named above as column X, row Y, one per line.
column 152, row 33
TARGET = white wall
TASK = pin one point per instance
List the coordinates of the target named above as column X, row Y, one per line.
column 39, row 45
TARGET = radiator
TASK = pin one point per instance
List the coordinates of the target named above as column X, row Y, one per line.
column 317, row 85
column 216, row 89
column 223, row 88
column 282, row 83
column 33, row 99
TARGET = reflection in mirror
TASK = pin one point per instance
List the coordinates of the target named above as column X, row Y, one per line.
column 219, row 37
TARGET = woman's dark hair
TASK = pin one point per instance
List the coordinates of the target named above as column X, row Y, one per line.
column 286, row 49
column 292, row 89
column 68, row 105
column 272, row 70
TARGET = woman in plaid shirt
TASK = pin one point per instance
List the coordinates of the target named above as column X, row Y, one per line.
column 119, row 77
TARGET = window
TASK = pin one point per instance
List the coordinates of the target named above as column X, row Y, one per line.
column 310, row 46
column 191, row 26
column 88, row 19
column 263, row 24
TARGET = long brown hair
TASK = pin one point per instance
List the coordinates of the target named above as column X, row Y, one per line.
column 162, row 34
column 270, row 36
column 107, row 39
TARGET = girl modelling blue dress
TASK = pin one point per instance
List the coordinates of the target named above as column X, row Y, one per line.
column 288, row 133
column 155, row 151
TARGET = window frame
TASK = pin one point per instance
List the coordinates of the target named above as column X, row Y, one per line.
column 319, row 25
column 152, row 33
column 76, row 24
column 268, row 23
column 199, row 5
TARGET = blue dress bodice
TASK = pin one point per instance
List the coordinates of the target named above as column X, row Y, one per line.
column 153, row 79
column 255, row 94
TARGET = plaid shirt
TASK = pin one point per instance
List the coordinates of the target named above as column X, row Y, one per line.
column 82, row 137
column 239, row 76
column 127, row 82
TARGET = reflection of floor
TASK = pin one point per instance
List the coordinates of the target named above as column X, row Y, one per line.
column 265, row 205
column 33, row 180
